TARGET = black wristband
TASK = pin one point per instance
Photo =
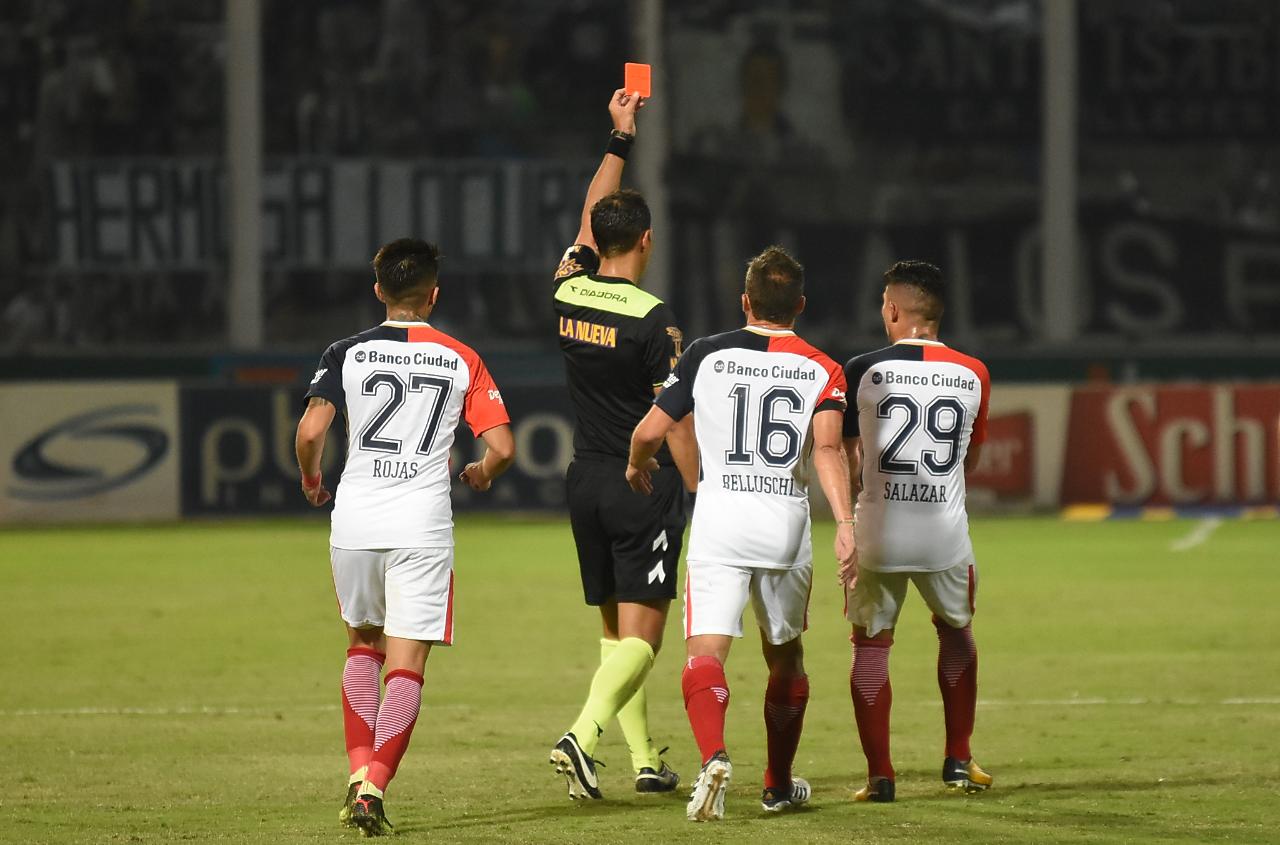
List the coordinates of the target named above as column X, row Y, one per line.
column 620, row 144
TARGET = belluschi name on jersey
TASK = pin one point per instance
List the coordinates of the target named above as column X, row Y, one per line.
column 772, row 484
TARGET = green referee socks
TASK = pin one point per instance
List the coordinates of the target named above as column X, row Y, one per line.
column 634, row 720
column 615, row 683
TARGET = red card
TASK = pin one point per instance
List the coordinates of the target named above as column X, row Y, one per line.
column 636, row 78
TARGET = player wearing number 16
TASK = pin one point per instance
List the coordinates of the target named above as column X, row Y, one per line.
column 762, row 400
column 403, row 386
column 916, row 421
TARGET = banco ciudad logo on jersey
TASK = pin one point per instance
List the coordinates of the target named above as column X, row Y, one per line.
column 359, row 356
column 86, row 454
column 876, row 378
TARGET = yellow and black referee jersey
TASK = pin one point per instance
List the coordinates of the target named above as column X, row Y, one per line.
column 619, row 342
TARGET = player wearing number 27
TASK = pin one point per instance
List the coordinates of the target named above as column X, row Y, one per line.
column 762, row 400
column 916, row 422
column 403, row 387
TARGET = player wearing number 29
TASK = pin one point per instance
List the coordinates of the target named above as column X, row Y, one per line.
column 403, row 387
column 762, row 400
column 916, row 422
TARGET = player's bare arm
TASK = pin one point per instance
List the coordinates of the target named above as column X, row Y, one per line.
column 853, row 449
column 853, row 455
column 309, row 445
column 499, row 454
column 832, row 466
column 622, row 109
column 683, row 443
column 646, row 440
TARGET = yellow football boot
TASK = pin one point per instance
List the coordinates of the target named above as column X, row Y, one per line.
column 878, row 789
column 964, row 775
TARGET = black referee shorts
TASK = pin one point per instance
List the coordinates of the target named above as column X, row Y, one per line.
column 628, row 544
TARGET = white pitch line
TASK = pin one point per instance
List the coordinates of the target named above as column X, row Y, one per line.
column 1197, row 536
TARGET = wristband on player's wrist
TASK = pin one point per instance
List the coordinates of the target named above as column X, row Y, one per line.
column 846, row 521
column 311, row 482
column 620, row 143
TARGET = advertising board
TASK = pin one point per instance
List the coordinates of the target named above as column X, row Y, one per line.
column 88, row 451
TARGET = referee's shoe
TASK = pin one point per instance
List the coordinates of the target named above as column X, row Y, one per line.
column 577, row 767
column 651, row 781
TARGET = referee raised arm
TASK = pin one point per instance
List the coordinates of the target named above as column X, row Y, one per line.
column 619, row 344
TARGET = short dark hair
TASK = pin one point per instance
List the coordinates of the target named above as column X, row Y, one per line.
column 618, row 221
column 927, row 279
column 775, row 285
column 407, row 266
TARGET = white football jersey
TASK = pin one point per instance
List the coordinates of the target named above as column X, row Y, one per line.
column 404, row 387
column 916, row 405
column 753, row 393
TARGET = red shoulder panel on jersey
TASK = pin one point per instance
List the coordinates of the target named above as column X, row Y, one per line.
column 946, row 353
column 482, row 408
column 836, row 388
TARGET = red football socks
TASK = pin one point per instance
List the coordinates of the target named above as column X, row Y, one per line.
column 785, row 699
column 872, row 698
column 360, row 687
column 706, row 698
column 958, row 682
column 396, row 718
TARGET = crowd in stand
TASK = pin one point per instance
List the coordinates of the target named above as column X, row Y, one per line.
column 451, row 79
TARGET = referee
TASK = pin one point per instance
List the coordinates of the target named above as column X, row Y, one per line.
column 619, row 344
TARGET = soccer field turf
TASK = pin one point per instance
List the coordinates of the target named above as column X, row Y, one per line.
column 181, row 683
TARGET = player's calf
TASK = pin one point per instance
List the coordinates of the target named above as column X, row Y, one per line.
column 872, row 695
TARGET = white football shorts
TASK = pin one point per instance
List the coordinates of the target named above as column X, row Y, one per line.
column 716, row 594
column 406, row 592
column 875, row 602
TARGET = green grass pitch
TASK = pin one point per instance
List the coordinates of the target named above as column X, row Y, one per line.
column 180, row 683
